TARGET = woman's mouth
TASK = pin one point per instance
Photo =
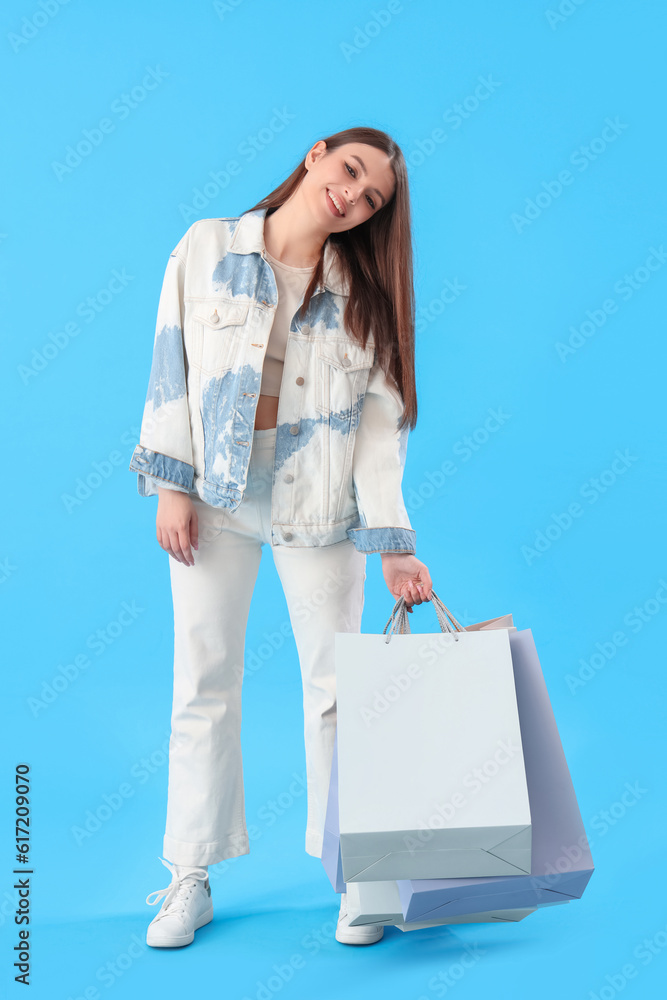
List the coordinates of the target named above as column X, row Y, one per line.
column 335, row 204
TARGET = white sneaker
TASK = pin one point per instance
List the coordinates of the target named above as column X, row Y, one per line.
column 358, row 934
column 187, row 906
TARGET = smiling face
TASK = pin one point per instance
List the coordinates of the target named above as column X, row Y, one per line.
column 347, row 185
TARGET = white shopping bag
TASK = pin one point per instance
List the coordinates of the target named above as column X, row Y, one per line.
column 431, row 776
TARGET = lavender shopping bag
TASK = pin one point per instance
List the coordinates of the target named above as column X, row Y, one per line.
column 379, row 903
column 561, row 859
column 331, row 858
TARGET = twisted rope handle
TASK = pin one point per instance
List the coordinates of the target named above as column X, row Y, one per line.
column 398, row 620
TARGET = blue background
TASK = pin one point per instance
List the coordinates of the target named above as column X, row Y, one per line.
column 523, row 286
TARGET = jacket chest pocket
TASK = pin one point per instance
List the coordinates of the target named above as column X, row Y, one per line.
column 216, row 335
column 342, row 376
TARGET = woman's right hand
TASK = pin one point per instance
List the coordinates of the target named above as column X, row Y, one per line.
column 177, row 525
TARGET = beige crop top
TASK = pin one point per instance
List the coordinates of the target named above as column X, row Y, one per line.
column 292, row 283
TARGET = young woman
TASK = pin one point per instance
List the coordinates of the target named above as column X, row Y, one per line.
column 281, row 395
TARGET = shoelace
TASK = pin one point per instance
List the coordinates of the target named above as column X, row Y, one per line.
column 177, row 892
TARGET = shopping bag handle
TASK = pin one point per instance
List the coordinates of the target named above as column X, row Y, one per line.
column 398, row 620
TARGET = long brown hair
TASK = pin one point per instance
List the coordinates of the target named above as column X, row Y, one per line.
column 376, row 258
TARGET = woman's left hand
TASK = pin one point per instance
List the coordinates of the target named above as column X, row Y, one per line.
column 407, row 577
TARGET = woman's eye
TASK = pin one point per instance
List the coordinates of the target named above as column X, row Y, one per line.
column 352, row 171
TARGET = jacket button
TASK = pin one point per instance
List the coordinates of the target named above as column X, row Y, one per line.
column 214, row 317
column 346, row 362
column 300, row 380
column 288, row 536
column 289, row 478
column 294, row 429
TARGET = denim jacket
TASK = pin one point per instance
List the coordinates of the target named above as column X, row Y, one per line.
column 339, row 456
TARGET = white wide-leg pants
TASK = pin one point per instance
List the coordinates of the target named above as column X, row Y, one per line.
column 206, row 805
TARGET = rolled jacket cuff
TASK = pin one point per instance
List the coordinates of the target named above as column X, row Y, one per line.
column 383, row 539
column 159, row 468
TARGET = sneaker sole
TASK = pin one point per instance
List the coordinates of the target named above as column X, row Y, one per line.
column 343, row 937
column 178, row 942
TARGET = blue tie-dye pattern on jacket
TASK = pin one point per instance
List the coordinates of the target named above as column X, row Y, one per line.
column 167, row 378
column 339, row 457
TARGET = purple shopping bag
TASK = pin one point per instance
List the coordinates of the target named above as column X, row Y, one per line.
column 331, row 856
column 561, row 863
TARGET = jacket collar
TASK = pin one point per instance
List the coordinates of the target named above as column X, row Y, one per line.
column 248, row 237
